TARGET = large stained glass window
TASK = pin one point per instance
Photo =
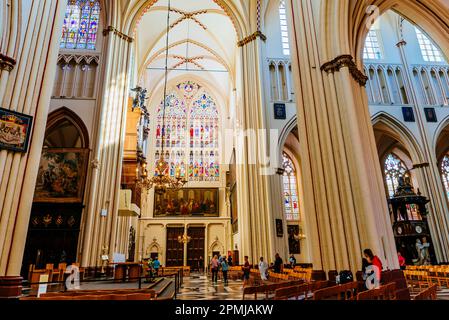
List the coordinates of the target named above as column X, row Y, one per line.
column 81, row 25
column 290, row 189
column 191, row 133
column 394, row 169
column 445, row 174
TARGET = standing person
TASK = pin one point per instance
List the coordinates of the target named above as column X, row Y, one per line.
column 401, row 260
column 200, row 264
column 230, row 259
column 214, row 268
column 373, row 260
column 156, row 266
column 263, row 267
column 224, row 270
column 246, row 272
column 278, row 264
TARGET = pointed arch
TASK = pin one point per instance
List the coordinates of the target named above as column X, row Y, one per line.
column 396, row 130
column 64, row 114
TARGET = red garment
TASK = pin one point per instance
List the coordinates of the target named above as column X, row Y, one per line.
column 376, row 262
column 401, row 261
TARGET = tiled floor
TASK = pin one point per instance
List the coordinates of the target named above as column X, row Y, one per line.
column 200, row 287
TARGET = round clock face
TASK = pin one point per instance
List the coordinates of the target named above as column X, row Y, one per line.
column 418, row 229
column 399, row 230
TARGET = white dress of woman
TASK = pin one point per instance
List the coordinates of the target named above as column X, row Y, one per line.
column 263, row 267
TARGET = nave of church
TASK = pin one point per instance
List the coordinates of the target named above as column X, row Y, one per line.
column 147, row 145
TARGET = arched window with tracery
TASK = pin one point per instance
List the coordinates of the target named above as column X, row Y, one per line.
column 291, row 200
column 80, row 27
column 445, row 173
column 394, row 169
column 191, row 133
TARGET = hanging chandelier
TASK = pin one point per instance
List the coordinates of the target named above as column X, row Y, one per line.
column 184, row 238
column 162, row 181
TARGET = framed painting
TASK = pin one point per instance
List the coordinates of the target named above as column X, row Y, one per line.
column 15, row 130
column 279, row 228
column 187, row 202
column 280, row 112
column 294, row 244
column 61, row 176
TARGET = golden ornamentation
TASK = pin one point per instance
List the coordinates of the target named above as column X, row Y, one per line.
column 251, row 38
column 118, row 33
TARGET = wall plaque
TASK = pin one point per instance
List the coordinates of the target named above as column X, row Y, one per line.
column 279, row 111
column 15, row 130
column 431, row 115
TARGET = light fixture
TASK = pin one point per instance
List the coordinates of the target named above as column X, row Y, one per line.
column 184, row 238
column 162, row 181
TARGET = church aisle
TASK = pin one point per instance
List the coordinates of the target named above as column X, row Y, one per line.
column 200, row 287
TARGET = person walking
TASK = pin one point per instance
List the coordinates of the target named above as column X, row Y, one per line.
column 201, row 264
column 156, row 266
column 214, row 268
column 263, row 267
column 224, row 271
column 246, row 271
column 278, row 264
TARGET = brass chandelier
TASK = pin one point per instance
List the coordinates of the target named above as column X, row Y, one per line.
column 162, row 181
column 184, row 238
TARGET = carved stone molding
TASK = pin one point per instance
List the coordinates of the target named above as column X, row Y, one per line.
column 118, row 33
column 7, row 63
column 251, row 38
column 345, row 61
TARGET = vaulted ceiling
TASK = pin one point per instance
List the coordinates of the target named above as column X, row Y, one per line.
column 202, row 43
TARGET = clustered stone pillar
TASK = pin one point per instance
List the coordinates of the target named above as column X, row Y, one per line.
column 256, row 225
column 344, row 199
column 26, row 80
column 101, row 234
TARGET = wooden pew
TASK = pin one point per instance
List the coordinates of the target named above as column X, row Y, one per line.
column 428, row 294
column 346, row 291
column 386, row 292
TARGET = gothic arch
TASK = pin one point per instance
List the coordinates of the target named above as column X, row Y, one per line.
column 65, row 113
column 441, row 141
column 399, row 132
column 136, row 11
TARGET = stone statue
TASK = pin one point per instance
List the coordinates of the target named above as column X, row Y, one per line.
column 423, row 251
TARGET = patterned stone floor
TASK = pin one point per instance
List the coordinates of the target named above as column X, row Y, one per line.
column 200, row 287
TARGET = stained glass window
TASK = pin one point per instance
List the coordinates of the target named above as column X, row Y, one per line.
column 290, row 189
column 429, row 51
column 284, row 28
column 394, row 169
column 191, row 133
column 445, row 174
column 80, row 27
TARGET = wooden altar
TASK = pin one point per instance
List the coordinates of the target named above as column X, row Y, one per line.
column 127, row 271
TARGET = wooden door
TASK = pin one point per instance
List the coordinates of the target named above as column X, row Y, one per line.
column 195, row 248
column 175, row 250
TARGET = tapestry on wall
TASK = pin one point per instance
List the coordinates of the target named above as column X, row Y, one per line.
column 61, row 175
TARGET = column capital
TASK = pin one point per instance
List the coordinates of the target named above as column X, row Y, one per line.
column 421, row 165
column 7, row 63
column 280, row 171
column 251, row 38
column 118, row 33
column 342, row 61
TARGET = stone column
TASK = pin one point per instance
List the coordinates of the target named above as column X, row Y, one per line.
column 256, row 222
column 344, row 197
column 101, row 230
column 26, row 82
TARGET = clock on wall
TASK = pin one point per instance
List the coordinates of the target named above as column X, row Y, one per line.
column 399, row 230
column 418, row 229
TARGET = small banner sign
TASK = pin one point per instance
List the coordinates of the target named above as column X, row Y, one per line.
column 15, row 130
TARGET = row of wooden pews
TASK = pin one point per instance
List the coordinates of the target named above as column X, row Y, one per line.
column 121, row 294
